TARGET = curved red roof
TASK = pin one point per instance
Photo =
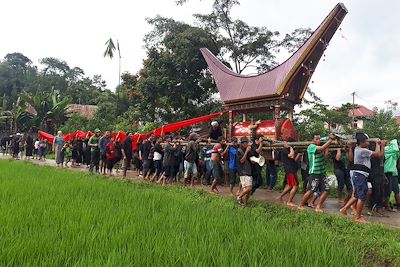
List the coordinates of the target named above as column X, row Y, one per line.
column 288, row 80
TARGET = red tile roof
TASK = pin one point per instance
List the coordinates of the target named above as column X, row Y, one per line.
column 361, row 111
column 398, row 120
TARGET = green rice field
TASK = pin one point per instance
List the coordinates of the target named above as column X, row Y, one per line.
column 51, row 217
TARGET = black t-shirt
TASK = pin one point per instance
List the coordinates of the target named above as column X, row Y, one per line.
column 337, row 164
column 158, row 148
column 215, row 133
column 169, row 155
column 29, row 141
column 256, row 169
column 377, row 166
column 178, row 156
column 146, row 147
column 127, row 147
column 244, row 169
column 289, row 165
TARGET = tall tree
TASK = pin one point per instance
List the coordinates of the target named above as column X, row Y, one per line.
column 382, row 125
column 245, row 46
column 173, row 83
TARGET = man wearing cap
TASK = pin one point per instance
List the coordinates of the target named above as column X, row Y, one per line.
column 215, row 131
column 94, row 151
column 244, row 171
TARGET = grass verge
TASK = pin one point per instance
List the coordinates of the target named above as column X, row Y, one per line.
column 57, row 217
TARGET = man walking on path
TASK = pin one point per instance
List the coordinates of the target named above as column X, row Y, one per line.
column 127, row 153
column 361, row 170
column 94, row 151
column 244, row 171
column 103, row 142
column 317, row 182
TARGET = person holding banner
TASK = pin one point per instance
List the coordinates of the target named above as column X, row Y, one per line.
column 317, row 182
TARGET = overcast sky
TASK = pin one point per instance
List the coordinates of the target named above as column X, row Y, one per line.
column 363, row 57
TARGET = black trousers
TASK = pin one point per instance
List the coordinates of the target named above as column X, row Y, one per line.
column 94, row 160
column 377, row 191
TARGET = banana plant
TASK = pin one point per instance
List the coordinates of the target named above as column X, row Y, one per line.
column 48, row 111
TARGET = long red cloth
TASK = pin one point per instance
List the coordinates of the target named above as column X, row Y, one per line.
column 173, row 127
column 169, row 128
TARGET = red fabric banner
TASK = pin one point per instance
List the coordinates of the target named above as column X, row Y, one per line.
column 80, row 134
column 89, row 134
column 46, row 136
column 173, row 127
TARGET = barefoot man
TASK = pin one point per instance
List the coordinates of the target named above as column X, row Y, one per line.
column 361, row 170
column 244, row 170
column 216, row 168
column 288, row 159
column 317, row 181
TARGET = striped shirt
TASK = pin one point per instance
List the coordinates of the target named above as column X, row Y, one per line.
column 316, row 160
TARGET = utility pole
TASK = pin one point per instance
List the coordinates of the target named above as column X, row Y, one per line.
column 352, row 111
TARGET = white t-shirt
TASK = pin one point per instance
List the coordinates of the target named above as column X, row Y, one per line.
column 362, row 156
column 157, row 156
column 37, row 144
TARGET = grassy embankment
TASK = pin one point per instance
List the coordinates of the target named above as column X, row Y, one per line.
column 58, row 217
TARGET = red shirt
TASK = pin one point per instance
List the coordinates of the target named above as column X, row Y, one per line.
column 111, row 153
column 217, row 149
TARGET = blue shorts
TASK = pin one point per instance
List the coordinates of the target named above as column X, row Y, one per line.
column 360, row 186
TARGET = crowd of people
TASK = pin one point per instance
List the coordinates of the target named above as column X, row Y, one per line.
column 369, row 172
column 19, row 146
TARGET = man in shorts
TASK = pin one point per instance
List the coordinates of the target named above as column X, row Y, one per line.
column 191, row 152
column 216, row 167
column 317, row 181
column 244, row 171
column 288, row 159
column 361, row 169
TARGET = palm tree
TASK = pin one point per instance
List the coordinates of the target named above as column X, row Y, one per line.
column 110, row 49
column 109, row 52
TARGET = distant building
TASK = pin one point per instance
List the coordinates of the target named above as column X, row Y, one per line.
column 87, row 111
column 360, row 115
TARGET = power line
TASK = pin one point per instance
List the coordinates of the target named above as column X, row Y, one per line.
column 377, row 101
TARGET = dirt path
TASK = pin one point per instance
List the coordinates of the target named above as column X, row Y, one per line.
column 331, row 205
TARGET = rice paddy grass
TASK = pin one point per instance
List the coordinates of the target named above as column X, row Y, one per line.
column 51, row 217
